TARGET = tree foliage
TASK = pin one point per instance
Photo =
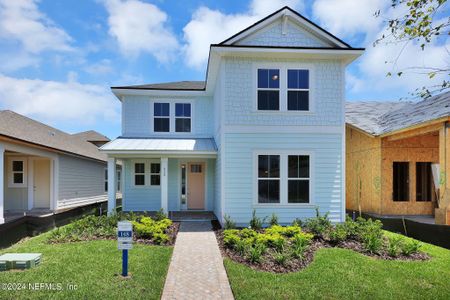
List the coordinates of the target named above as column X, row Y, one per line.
column 421, row 24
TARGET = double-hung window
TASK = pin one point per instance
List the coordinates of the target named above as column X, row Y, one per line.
column 106, row 180
column 268, row 178
column 298, row 179
column 155, row 174
column 182, row 117
column 268, row 89
column 139, row 174
column 18, row 173
column 298, row 90
column 161, row 117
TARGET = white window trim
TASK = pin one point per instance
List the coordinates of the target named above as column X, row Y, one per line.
column 172, row 128
column 160, row 117
column 150, row 174
column 284, row 67
column 298, row 90
column 11, row 183
column 283, row 178
column 183, row 117
column 133, row 163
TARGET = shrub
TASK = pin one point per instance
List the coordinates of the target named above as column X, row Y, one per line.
column 279, row 242
column 351, row 227
column 371, row 234
column 302, row 239
column 394, row 245
column 160, row 215
column 256, row 252
column 255, row 222
column 297, row 222
column 288, row 231
column 229, row 223
column 338, row 233
column 281, row 258
column 409, row 247
column 241, row 245
column 273, row 220
column 152, row 229
column 247, row 233
column 230, row 237
column 318, row 225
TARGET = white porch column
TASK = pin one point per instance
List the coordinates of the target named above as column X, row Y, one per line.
column 2, row 192
column 164, row 184
column 112, row 184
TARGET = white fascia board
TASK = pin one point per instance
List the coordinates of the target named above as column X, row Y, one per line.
column 347, row 56
column 295, row 18
column 142, row 92
column 157, row 154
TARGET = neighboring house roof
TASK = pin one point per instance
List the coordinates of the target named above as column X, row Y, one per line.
column 92, row 136
column 176, row 86
column 377, row 118
column 180, row 145
column 16, row 126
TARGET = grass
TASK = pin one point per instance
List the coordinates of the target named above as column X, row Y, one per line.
column 344, row 274
column 91, row 266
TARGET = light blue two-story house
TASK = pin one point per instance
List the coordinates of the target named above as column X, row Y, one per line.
column 264, row 132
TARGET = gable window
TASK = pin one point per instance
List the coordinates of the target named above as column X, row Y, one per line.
column 298, row 90
column 400, row 181
column 139, row 174
column 155, row 174
column 298, row 179
column 161, row 117
column 424, row 182
column 182, row 117
column 268, row 178
column 268, row 89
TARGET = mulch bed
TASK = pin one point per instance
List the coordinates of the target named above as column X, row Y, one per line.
column 172, row 232
column 268, row 264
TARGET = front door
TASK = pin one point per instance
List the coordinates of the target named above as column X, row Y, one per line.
column 196, row 186
column 41, row 183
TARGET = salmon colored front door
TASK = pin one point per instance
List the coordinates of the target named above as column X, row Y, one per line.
column 196, row 186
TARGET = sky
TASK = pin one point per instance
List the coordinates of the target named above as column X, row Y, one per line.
column 58, row 59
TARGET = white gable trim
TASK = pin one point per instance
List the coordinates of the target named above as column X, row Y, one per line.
column 282, row 14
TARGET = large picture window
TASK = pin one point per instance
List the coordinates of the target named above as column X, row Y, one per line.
column 183, row 117
column 161, row 117
column 139, row 174
column 268, row 178
column 298, row 179
column 268, row 89
column 298, row 90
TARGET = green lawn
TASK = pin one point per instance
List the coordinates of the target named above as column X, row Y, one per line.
column 344, row 274
column 91, row 266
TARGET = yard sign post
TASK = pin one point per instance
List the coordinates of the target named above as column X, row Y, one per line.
column 125, row 242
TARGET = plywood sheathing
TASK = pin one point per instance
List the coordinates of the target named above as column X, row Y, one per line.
column 363, row 171
column 422, row 148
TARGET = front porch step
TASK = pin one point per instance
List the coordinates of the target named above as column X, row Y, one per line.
column 192, row 216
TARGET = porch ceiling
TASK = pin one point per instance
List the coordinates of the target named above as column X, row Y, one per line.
column 161, row 145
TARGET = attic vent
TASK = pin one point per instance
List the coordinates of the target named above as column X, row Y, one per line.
column 284, row 25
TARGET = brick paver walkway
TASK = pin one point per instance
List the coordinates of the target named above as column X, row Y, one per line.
column 196, row 270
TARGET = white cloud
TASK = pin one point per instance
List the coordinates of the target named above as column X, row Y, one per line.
column 141, row 27
column 21, row 21
column 100, row 68
column 348, row 17
column 66, row 102
column 209, row 26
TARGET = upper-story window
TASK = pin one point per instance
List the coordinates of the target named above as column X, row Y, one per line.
column 298, row 90
column 161, row 120
column 182, row 117
column 268, row 89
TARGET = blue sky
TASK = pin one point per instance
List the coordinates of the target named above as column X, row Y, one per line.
column 59, row 58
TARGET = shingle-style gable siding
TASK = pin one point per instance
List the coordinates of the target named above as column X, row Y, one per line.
column 272, row 35
column 326, row 86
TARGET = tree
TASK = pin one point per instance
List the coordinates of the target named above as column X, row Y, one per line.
column 421, row 24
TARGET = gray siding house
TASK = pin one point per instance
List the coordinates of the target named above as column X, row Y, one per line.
column 45, row 169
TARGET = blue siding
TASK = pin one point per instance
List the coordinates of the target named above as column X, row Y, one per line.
column 240, row 181
column 143, row 198
column 149, row 198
